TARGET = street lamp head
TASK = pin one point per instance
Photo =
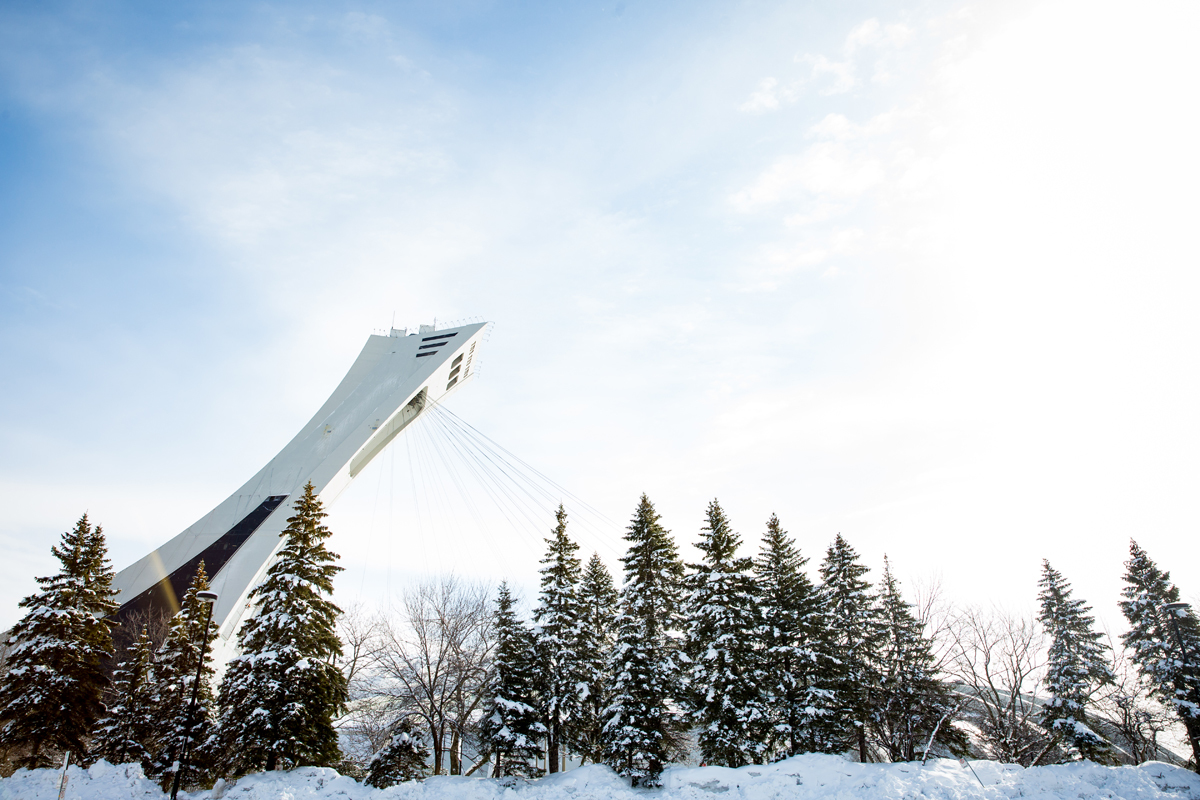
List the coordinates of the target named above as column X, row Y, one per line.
column 1173, row 607
column 206, row 597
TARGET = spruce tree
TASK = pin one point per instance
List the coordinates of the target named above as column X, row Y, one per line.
column 641, row 725
column 1165, row 642
column 598, row 611
column 279, row 696
column 724, row 680
column 58, row 653
column 558, row 633
column 911, row 702
column 404, row 758
column 792, row 637
column 1076, row 665
column 854, row 640
column 174, row 677
column 511, row 730
column 126, row 735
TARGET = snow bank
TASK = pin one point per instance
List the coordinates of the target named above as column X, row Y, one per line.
column 101, row 781
column 802, row 778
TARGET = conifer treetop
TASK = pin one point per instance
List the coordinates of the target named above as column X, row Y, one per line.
column 279, row 696
column 560, row 551
column 50, row 696
column 1077, row 663
column 652, row 557
column 719, row 543
column 1157, row 634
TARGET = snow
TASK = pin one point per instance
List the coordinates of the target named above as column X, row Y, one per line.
column 806, row 777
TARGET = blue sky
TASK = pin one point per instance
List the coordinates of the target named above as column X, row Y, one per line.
column 922, row 274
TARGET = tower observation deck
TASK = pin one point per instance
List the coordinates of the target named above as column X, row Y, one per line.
column 393, row 380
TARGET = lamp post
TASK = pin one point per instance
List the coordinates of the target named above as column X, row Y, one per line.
column 208, row 598
column 1172, row 609
column 1173, row 612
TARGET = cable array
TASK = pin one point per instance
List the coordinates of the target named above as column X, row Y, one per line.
column 464, row 487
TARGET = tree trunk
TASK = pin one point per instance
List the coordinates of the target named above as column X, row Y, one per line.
column 552, row 747
column 436, row 740
column 1192, row 726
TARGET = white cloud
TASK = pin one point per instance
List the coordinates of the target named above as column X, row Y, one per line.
column 838, row 127
column 824, row 169
column 866, row 34
column 764, row 98
column 840, row 74
column 871, row 34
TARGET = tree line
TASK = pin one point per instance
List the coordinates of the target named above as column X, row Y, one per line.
column 740, row 660
column 737, row 659
column 274, row 705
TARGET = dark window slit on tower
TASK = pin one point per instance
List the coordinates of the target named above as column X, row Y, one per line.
column 165, row 596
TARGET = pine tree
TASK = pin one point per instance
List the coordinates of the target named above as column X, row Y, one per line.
column 279, row 696
column 854, row 639
column 404, row 758
column 598, row 611
column 174, row 677
column 641, row 726
column 1165, row 642
column 792, row 636
column 724, row 679
column 1077, row 664
column 510, row 729
column 58, row 652
column 127, row 734
column 558, row 633
column 911, row 703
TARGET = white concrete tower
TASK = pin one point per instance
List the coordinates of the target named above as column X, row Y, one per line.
column 393, row 379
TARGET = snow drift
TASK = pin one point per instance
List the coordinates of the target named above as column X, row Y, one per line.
column 805, row 777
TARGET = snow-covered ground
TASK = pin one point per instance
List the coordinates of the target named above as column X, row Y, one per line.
column 801, row 778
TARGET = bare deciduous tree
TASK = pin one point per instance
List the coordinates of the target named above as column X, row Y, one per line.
column 360, row 633
column 366, row 724
column 937, row 616
column 1136, row 717
column 435, row 661
column 997, row 658
column 157, row 621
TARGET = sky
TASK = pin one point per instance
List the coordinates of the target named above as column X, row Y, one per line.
column 922, row 274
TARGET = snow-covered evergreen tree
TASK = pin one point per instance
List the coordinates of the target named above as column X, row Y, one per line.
column 404, row 758
column 1076, row 665
column 50, row 695
column 558, row 639
column 511, row 730
column 174, row 676
column 854, row 638
column 1165, row 642
column 724, row 691
column 598, row 612
column 641, row 724
column 127, row 734
column 911, row 702
column 792, row 638
column 279, row 696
